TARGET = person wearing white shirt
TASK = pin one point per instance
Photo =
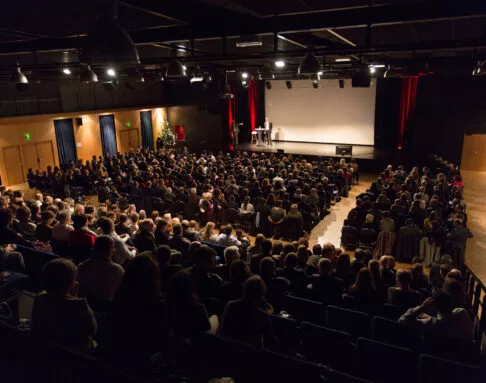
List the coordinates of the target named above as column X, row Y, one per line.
column 122, row 253
column 246, row 207
column 61, row 231
column 226, row 239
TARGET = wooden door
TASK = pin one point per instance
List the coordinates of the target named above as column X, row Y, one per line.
column 134, row 138
column 124, row 141
column 45, row 154
column 30, row 159
column 474, row 152
column 13, row 164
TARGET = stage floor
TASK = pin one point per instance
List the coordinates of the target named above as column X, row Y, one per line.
column 310, row 149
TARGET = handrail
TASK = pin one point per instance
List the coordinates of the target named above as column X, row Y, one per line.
column 476, row 298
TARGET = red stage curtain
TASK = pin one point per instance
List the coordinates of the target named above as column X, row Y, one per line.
column 408, row 98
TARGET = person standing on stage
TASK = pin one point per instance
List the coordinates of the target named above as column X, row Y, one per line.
column 268, row 131
column 235, row 128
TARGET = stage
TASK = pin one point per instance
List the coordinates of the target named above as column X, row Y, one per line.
column 363, row 152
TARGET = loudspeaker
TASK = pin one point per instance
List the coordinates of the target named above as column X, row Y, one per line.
column 344, row 150
column 79, row 121
column 361, row 79
column 341, row 83
column 280, row 151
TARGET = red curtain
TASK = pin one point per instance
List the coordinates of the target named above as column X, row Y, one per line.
column 408, row 98
column 252, row 103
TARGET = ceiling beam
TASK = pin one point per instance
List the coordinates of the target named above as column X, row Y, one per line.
column 200, row 28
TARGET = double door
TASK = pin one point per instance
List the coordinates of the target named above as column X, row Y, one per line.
column 20, row 158
column 129, row 139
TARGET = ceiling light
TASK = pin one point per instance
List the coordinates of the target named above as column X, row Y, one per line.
column 195, row 78
column 88, row 75
column 479, row 69
column 110, row 72
column 379, row 65
column 280, row 64
column 176, row 69
column 288, row 84
column 372, row 69
column 19, row 79
column 249, row 41
column 244, row 75
column 66, row 71
column 342, row 59
column 309, row 65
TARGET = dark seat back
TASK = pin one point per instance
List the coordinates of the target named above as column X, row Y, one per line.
column 354, row 322
column 384, row 363
column 286, row 332
column 327, row 346
column 34, row 263
column 391, row 312
column 340, row 377
column 389, row 331
column 305, row 310
column 218, row 248
column 434, row 369
column 457, row 350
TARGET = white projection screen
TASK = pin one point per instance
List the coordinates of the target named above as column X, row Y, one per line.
column 327, row 114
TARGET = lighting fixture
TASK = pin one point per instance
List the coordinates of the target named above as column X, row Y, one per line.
column 206, row 80
column 19, row 79
column 66, row 71
column 110, row 72
column 309, row 65
column 479, row 69
column 244, row 75
column 342, row 59
column 315, row 84
column 110, row 85
column 288, row 83
column 249, row 41
column 372, row 69
column 379, row 65
column 341, row 83
column 245, row 84
column 195, row 78
column 320, row 73
column 88, row 75
column 176, row 69
column 268, row 85
column 280, row 64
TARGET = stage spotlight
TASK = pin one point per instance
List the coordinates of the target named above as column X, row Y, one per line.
column 315, row 84
column 309, row 65
column 244, row 75
column 280, row 64
column 66, row 71
column 110, row 72
column 176, row 69
column 19, row 79
column 244, row 84
column 372, row 69
column 88, row 75
column 479, row 69
column 341, row 83
column 288, row 84
column 268, row 85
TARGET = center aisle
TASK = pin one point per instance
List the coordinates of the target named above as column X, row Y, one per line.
column 329, row 229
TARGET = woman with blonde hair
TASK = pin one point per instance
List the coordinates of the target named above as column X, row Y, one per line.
column 208, row 233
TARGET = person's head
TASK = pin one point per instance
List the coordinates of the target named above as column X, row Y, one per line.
column 404, row 279
column 267, row 247
column 255, row 289
column 443, row 301
column 364, row 281
column 231, row 253
column 454, row 274
column 134, row 217
column 182, row 291
column 456, row 290
column 239, row 271
column 123, row 219
column 342, row 264
column 227, row 230
column 47, row 217
column 369, row 219
column 59, row 276
column 141, row 281
column 374, row 267
column 328, row 251
column 106, row 225
column 64, row 217
column 205, row 258
column 163, row 255
column 103, row 247
column 317, row 249
column 325, row 266
column 302, row 255
column 209, row 230
column 277, row 247
column 147, row 225
column 80, row 221
column 291, row 260
column 267, row 268
column 444, row 269
column 23, row 214
column 177, row 230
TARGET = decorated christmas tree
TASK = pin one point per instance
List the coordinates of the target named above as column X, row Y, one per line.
column 167, row 135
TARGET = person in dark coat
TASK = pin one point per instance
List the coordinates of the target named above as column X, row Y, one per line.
column 144, row 239
column 326, row 288
column 408, row 241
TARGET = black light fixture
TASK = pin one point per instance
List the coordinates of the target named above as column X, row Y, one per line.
column 309, row 65
column 110, row 85
column 315, row 84
column 245, row 84
column 479, row 69
column 88, row 75
column 288, row 83
column 206, row 80
column 176, row 70
column 268, row 85
column 341, row 83
column 249, row 41
column 19, row 79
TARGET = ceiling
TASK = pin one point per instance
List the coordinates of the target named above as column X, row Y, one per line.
column 46, row 36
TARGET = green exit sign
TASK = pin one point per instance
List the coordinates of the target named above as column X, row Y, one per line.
column 27, row 136
column 128, row 123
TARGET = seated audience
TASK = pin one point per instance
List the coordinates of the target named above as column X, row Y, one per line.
column 403, row 295
column 326, row 288
column 122, row 254
column 81, row 236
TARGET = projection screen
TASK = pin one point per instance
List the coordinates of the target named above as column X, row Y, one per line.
column 327, row 114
